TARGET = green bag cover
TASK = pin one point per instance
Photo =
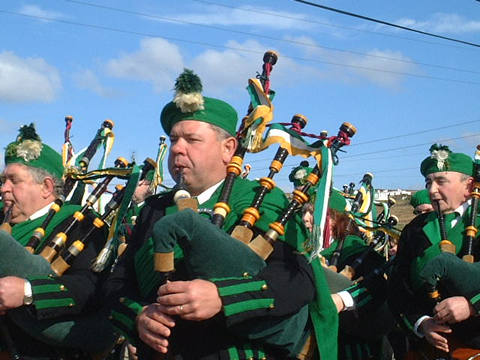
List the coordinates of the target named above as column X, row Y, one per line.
column 209, row 252
column 336, row 282
column 457, row 277
column 17, row 261
column 92, row 333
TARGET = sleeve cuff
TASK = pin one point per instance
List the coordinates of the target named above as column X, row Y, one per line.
column 347, row 300
column 475, row 301
column 50, row 296
column 123, row 318
column 243, row 298
column 417, row 324
column 359, row 294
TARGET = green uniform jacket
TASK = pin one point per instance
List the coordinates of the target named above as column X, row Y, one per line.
column 63, row 299
column 417, row 245
column 284, row 287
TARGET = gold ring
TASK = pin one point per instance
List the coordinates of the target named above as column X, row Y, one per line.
column 180, row 307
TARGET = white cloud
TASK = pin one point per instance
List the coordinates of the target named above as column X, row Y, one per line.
column 388, row 67
column 442, row 23
column 230, row 69
column 157, row 61
column 27, row 79
column 88, row 80
column 248, row 16
column 385, row 68
column 34, row 10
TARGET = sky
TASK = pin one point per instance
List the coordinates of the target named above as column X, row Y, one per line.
column 99, row 59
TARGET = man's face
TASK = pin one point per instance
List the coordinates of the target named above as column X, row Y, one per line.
column 198, row 155
column 448, row 188
column 20, row 190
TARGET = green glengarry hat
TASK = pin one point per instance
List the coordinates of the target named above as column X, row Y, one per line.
column 189, row 104
column 29, row 150
column 443, row 159
column 337, row 201
column 300, row 173
column 419, row 198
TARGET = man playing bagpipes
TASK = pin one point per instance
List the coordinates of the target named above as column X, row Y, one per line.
column 429, row 303
column 254, row 309
column 38, row 305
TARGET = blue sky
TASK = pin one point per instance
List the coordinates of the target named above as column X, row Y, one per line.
column 98, row 59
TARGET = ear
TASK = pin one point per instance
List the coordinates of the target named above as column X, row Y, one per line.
column 469, row 184
column 229, row 146
column 48, row 188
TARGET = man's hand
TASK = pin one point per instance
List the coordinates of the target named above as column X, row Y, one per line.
column 12, row 292
column 431, row 330
column 154, row 327
column 338, row 301
column 191, row 300
column 453, row 310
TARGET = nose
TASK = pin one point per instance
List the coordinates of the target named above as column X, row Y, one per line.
column 5, row 186
column 178, row 147
column 432, row 188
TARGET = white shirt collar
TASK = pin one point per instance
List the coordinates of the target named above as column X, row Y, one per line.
column 460, row 211
column 207, row 194
column 462, row 208
column 39, row 213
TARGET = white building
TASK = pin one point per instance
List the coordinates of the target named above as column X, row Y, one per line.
column 383, row 194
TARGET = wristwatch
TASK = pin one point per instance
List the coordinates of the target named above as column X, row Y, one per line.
column 27, row 293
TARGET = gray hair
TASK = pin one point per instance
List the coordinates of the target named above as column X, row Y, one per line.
column 222, row 134
column 464, row 177
column 39, row 175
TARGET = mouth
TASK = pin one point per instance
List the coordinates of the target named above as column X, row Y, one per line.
column 8, row 203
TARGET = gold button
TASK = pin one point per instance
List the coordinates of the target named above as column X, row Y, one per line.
column 70, row 305
column 110, row 317
column 62, row 287
column 122, row 300
column 271, row 306
column 246, row 274
column 264, row 287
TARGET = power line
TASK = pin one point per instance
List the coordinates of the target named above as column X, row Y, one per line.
column 415, row 133
column 411, row 146
column 205, row 44
column 386, row 23
column 296, row 42
column 325, row 24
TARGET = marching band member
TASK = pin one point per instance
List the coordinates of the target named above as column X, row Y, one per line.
column 31, row 182
column 448, row 178
column 211, row 318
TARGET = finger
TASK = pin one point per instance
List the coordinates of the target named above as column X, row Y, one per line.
column 154, row 341
column 172, row 299
column 179, row 310
column 172, row 287
column 440, row 342
column 157, row 314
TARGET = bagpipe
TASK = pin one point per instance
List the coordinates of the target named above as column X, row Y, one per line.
column 240, row 248
column 51, row 249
